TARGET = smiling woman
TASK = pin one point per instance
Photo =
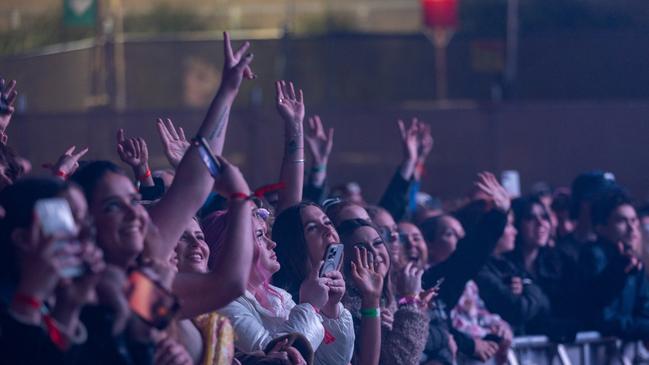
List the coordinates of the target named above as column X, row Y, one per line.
column 387, row 333
column 302, row 233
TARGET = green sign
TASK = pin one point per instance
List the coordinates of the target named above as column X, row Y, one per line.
column 79, row 13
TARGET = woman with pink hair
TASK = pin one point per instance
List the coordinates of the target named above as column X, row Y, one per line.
column 266, row 312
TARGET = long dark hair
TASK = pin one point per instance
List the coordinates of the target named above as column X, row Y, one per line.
column 346, row 229
column 522, row 208
column 89, row 175
column 18, row 201
column 291, row 249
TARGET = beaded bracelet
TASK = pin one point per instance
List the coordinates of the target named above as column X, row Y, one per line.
column 410, row 300
column 370, row 312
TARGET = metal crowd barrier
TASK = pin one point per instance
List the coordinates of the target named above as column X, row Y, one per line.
column 589, row 348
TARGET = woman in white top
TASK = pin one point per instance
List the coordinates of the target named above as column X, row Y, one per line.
column 266, row 312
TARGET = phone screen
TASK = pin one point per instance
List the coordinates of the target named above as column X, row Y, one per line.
column 208, row 158
column 150, row 301
column 56, row 220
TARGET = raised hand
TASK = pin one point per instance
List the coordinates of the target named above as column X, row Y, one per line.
column 409, row 139
column 319, row 142
column 133, row 151
column 426, row 142
column 173, row 140
column 290, row 104
column 68, row 163
column 409, row 281
column 489, row 185
column 8, row 96
column 314, row 290
column 236, row 66
column 365, row 276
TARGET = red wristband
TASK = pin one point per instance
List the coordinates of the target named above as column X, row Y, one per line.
column 146, row 175
column 28, row 300
column 61, row 174
column 240, row 196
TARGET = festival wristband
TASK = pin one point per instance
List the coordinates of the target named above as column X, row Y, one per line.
column 370, row 312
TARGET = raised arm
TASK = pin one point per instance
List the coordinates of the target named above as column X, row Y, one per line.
column 290, row 105
column 206, row 292
column 135, row 153
column 320, row 145
column 395, row 198
column 425, row 146
column 193, row 183
column 370, row 284
column 68, row 163
column 173, row 140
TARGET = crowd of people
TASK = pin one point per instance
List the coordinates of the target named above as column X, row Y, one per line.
column 189, row 265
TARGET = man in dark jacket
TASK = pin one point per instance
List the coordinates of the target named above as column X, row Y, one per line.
column 616, row 290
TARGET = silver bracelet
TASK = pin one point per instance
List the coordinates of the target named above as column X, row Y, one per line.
column 299, row 161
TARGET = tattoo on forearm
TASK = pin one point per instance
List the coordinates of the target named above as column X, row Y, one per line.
column 292, row 147
column 220, row 123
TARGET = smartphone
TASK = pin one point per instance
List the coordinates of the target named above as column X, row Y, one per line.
column 150, row 301
column 212, row 164
column 511, row 181
column 332, row 258
column 56, row 220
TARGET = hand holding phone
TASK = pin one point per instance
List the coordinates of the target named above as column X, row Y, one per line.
column 332, row 259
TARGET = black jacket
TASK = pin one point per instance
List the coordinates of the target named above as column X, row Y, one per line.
column 395, row 198
column 470, row 256
column 555, row 273
column 518, row 310
column 614, row 302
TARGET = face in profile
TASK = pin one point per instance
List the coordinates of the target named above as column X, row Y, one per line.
column 192, row 252
column 319, row 232
column 535, row 227
column 449, row 232
column 120, row 219
column 371, row 240
column 267, row 263
column 413, row 245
